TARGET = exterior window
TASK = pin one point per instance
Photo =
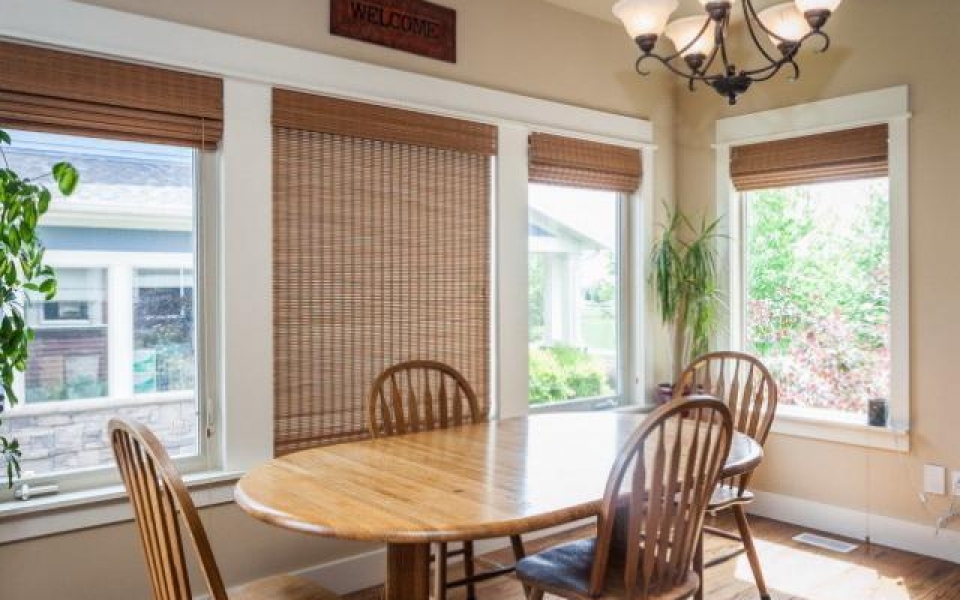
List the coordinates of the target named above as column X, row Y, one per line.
column 817, row 291
column 68, row 358
column 164, row 358
column 119, row 339
column 574, row 293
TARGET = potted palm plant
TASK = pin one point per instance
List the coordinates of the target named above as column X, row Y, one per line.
column 23, row 201
column 684, row 276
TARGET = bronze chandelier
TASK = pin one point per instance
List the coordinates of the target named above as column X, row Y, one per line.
column 701, row 41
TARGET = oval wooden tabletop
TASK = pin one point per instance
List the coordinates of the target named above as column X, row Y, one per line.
column 493, row 479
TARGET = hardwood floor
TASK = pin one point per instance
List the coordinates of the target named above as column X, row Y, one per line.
column 794, row 571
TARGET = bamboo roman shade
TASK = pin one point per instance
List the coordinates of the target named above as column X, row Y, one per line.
column 61, row 92
column 566, row 161
column 835, row 156
column 381, row 255
column 321, row 114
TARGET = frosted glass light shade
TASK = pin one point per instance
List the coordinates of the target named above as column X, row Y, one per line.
column 644, row 17
column 807, row 5
column 786, row 21
column 683, row 31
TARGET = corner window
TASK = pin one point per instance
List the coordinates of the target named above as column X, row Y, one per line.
column 817, row 292
column 574, row 279
column 120, row 337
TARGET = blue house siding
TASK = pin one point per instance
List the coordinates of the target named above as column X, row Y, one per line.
column 116, row 240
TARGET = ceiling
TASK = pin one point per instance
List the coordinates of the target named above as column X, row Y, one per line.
column 602, row 9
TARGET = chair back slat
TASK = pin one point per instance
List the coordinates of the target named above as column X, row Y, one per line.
column 424, row 395
column 659, row 489
column 160, row 500
column 744, row 384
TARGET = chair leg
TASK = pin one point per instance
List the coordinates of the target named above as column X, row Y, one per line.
column 535, row 594
column 519, row 553
column 747, row 538
column 440, row 573
column 468, row 569
column 698, row 567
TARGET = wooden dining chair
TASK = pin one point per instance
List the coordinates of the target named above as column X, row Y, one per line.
column 423, row 395
column 748, row 389
column 648, row 528
column 160, row 501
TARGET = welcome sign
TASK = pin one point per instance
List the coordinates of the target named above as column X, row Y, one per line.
column 413, row 26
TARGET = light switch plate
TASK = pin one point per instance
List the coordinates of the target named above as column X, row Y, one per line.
column 934, row 479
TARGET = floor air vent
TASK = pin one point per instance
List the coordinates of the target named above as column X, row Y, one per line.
column 824, row 542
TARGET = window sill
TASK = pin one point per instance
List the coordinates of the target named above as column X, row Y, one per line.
column 579, row 405
column 60, row 513
column 839, row 429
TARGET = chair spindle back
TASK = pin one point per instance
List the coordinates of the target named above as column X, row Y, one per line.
column 664, row 478
column 420, row 395
column 744, row 384
column 159, row 499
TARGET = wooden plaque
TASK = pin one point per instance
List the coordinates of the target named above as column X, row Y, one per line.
column 413, row 26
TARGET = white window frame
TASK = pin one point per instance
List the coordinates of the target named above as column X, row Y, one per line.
column 621, row 395
column 120, row 268
column 891, row 107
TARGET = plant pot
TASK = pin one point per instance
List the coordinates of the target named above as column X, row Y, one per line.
column 664, row 393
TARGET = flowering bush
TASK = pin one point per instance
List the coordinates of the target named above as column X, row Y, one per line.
column 818, row 285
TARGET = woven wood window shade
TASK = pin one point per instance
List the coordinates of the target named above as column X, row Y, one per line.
column 565, row 161
column 381, row 254
column 835, row 156
column 61, row 92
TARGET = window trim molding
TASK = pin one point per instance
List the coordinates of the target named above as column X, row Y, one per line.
column 889, row 106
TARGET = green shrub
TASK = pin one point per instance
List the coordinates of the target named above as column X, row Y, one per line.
column 563, row 373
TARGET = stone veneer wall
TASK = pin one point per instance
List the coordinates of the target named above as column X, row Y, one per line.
column 64, row 437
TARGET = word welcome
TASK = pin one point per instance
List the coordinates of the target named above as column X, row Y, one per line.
column 391, row 18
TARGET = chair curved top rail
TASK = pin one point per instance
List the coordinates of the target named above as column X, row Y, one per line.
column 416, row 395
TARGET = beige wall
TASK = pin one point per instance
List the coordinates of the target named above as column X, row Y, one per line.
column 522, row 46
column 878, row 43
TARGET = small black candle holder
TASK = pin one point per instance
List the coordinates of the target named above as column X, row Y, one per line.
column 878, row 411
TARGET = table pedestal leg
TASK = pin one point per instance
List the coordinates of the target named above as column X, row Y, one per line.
column 408, row 572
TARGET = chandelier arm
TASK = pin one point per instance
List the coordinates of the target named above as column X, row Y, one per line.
column 709, row 63
column 722, row 29
column 703, row 30
column 666, row 63
column 759, row 75
column 817, row 34
column 753, row 34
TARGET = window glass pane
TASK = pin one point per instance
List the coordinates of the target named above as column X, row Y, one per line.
column 119, row 337
column 818, row 291
column 68, row 358
column 163, row 357
column 573, row 294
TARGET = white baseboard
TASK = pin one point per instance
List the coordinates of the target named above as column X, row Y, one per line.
column 885, row 531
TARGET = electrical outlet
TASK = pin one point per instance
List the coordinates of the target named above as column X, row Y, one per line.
column 934, row 479
column 955, row 483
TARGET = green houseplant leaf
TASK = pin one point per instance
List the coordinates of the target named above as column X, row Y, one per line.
column 684, row 275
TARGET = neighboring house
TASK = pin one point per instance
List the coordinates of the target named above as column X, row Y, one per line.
column 575, row 251
column 119, row 336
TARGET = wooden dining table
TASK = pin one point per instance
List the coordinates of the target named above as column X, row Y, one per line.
column 493, row 479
